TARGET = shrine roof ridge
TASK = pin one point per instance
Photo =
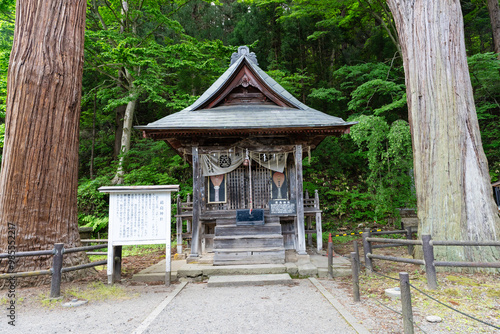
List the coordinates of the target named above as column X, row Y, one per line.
column 246, row 117
column 219, row 83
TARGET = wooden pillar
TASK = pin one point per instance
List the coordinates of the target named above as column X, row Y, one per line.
column 179, row 226
column 319, row 228
column 197, row 188
column 301, row 242
column 309, row 225
column 293, row 196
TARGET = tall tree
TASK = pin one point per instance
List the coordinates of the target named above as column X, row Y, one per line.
column 451, row 171
column 39, row 175
column 494, row 10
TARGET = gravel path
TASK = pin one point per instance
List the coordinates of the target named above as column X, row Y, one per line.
column 103, row 317
column 295, row 308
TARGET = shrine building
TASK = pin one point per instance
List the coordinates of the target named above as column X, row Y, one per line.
column 245, row 138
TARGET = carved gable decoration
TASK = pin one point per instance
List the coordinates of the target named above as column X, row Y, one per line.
column 245, row 88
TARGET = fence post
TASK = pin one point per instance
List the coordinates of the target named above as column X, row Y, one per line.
column 330, row 256
column 356, row 250
column 117, row 264
column 355, row 276
column 57, row 261
column 409, row 237
column 367, row 248
column 404, row 284
column 430, row 269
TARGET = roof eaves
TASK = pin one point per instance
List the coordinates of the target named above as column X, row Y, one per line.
column 276, row 87
column 215, row 87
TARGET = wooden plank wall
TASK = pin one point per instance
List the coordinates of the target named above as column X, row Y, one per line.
column 238, row 189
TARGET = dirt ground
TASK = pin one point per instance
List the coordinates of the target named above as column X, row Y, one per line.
column 475, row 294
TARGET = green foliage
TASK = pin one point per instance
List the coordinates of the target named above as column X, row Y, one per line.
column 389, row 155
column 97, row 223
column 485, row 77
column 298, row 84
column 92, row 204
column 340, row 57
column 147, row 163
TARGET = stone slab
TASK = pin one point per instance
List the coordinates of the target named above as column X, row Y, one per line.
column 341, row 272
column 292, row 269
column 307, row 269
column 322, row 272
column 243, row 280
column 157, row 272
column 394, row 293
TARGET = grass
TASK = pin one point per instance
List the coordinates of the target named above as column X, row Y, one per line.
column 94, row 291
column 132, row 251
column 97, row 291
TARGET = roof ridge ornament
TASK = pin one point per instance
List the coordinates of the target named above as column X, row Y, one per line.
column 244, row 51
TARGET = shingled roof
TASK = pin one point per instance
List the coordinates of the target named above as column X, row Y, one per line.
column 279, row 111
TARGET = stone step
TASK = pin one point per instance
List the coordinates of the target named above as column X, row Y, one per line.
column 223, row 230
column 196, row 270
column 249, row 242
column 249, row 256
column 245, row 280
column 226, row 221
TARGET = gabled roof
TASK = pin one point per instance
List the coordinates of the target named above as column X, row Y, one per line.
column 280, row 110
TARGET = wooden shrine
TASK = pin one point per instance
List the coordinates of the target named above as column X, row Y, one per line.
column 245, row 138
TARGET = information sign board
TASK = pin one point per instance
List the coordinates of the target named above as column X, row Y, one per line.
column 139, row 215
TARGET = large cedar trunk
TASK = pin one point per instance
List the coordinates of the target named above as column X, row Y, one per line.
column 494, row 10
column 39, row 175
column 454, row 194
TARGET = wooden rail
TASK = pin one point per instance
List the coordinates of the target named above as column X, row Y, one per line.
column 57, row 268
column 428, row 250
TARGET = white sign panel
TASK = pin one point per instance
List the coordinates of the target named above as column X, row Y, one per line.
column 139, row 215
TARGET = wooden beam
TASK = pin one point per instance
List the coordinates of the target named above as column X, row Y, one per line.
column 301, row 242
column 270, row 149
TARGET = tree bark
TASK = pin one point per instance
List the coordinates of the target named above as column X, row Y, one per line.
column 119, row 114
column 125, row 140
column 39, row 175
column 451, row 172
column 494, row 10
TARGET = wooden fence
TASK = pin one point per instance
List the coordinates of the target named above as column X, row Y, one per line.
column 428, row 249
column 57, row 269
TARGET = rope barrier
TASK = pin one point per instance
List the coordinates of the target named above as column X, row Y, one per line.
column 353, row 233
column 398, row 313
column 454, row 309
column 395, row 279
column 450, row 307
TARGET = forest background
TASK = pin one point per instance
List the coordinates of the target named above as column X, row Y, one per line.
column 341, row 57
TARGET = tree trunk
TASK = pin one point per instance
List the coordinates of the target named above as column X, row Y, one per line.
column 451, row 171
column 119, row 115
column 39, row 175
column 125, row 142
column 494, row 10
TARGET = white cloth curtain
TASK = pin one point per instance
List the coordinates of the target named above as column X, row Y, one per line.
column 273, row 161
column 222, row 162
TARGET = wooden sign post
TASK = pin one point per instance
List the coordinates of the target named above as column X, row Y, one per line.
column 138, row 215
